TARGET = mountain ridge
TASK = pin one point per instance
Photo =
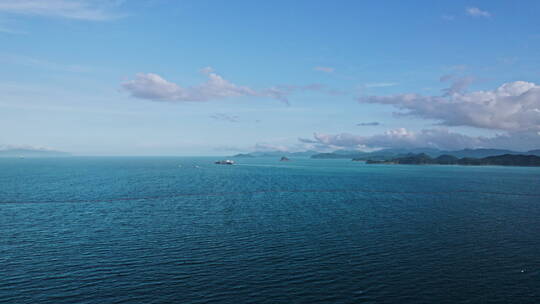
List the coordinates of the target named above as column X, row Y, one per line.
column 499, row 160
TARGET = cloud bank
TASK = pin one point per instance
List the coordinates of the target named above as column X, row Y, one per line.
column 438, row 138
column 403, row 138
column 513, row 107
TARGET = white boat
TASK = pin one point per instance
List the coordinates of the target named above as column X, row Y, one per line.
column 225, row 162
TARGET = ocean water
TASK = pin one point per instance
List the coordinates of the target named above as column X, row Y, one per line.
column 183, row 230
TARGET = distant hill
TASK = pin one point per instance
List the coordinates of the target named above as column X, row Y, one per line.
column 243, row 155
column 333, row 155
column 500, row 160
column 387, row 154
column 276, row 154
column 403, row 151
column 32, row 153
column 384, row 154
column 534, row 152
column 480, row 153
column 340, row 154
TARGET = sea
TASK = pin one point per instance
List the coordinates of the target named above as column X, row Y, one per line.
column 185, row 230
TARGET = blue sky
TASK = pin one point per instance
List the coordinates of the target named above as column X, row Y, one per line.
column 160, row 77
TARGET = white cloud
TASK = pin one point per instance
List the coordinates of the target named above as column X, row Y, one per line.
column 459, row 85
column 438, row 138
column 153, row 87
column 476, row 12
column 403, row 138
column 512, row 107
column 95, row 10
column 324, row 69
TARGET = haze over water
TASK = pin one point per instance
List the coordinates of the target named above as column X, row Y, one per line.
column 162, row 230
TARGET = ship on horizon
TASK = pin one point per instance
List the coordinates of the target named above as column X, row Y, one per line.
column 224, row 162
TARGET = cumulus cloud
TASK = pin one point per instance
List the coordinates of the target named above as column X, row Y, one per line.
column 324, row 69
column 402, row 138
column 459, row 84
column 476, row 12
column 513, row 107
column 94, row 10
column 438, row 138
column 225, row 117
column 154, row 87
column 367, row 124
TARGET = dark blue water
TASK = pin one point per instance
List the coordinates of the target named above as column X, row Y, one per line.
column 160, row 230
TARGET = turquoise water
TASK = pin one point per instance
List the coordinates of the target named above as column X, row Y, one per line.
column 183, row 230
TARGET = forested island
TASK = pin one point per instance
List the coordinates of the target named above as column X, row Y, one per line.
column 421, row 156
column 389, row 154
column 499, row 160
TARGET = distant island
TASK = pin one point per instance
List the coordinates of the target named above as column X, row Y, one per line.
column 32, row 153
column 275, row 154
column 500, row 160
column 243, row 155
column 387, row 154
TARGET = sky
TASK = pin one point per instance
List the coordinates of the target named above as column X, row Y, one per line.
column 167, row 77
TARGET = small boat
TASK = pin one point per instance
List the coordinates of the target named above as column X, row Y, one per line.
column 225, row 162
